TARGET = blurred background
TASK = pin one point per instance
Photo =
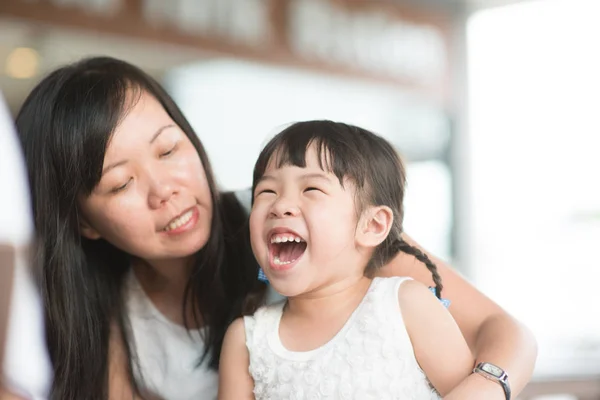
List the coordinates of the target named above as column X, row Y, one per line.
column 492, row 103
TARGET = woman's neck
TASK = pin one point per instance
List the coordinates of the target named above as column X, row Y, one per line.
column 164, row 282
column 169, row 276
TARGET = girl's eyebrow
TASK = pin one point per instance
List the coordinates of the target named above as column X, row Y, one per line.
column 316, row 175
column 312, row 175
column 266, row 178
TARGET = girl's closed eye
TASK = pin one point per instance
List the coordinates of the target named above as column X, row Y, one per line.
column 264, row 191
column 313, row 189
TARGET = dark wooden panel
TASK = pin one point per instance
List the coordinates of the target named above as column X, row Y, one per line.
column 132, row 20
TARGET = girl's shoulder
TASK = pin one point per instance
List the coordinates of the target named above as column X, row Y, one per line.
column 263, row 321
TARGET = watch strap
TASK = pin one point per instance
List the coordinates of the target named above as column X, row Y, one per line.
column 502, row 379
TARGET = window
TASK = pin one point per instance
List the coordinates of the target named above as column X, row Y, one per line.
column 534, row 86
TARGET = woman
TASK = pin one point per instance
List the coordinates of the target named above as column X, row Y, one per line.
column 143, row 264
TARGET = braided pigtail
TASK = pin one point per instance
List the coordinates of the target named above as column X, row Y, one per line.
column 419, row 255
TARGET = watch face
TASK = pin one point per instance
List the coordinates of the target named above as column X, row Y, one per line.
column 492, row 369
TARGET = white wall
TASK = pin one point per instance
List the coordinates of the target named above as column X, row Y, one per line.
column 235, row 107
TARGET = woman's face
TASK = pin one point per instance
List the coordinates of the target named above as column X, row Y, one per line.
column 153, row 200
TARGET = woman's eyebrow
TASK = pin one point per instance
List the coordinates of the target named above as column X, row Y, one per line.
column 159, row 131
column 113, row 165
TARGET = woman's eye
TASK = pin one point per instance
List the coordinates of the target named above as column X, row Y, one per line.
column 169, row 152
column 121, row 188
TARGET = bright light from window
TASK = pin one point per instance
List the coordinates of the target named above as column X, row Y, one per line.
column 534, row 90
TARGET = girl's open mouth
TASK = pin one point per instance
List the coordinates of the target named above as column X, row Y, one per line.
column 285, row 249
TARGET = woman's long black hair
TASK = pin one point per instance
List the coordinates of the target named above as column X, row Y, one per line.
column 64, row 126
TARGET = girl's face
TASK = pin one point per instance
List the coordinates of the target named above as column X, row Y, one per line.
column 153, row 200
column 303, row 228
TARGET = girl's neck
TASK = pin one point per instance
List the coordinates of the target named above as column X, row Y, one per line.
column 330, row 299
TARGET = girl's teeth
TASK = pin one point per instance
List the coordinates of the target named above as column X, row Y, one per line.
column 285, row 239
column 277, row 261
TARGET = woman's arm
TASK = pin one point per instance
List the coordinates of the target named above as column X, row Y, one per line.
column 235, row 382
column 492, row 334
column 439, row 346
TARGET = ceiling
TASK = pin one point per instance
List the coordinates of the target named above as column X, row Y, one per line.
column 458, row 5
column 59, row 46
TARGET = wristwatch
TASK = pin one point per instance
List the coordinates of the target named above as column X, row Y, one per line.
column 494, row 373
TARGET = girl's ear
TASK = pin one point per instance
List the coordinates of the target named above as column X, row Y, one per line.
column 374, row 226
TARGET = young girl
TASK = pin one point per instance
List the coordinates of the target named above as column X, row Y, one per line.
column 328, row 213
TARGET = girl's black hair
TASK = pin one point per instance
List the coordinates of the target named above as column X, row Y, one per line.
column 368, row 160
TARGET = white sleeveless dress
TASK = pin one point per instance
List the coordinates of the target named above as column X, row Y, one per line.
column 370, row 358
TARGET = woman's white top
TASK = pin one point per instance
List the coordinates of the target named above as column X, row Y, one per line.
column 167, row 353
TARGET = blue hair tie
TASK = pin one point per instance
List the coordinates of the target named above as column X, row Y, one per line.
column 445, row 302
column 261, row 276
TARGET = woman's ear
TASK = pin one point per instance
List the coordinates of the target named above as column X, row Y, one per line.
column 86, row 230
column 374, row 226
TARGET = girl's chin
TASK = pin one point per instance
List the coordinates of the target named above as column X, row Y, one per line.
column 288, row 289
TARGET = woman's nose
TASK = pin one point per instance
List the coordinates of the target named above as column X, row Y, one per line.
column 160, row 192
